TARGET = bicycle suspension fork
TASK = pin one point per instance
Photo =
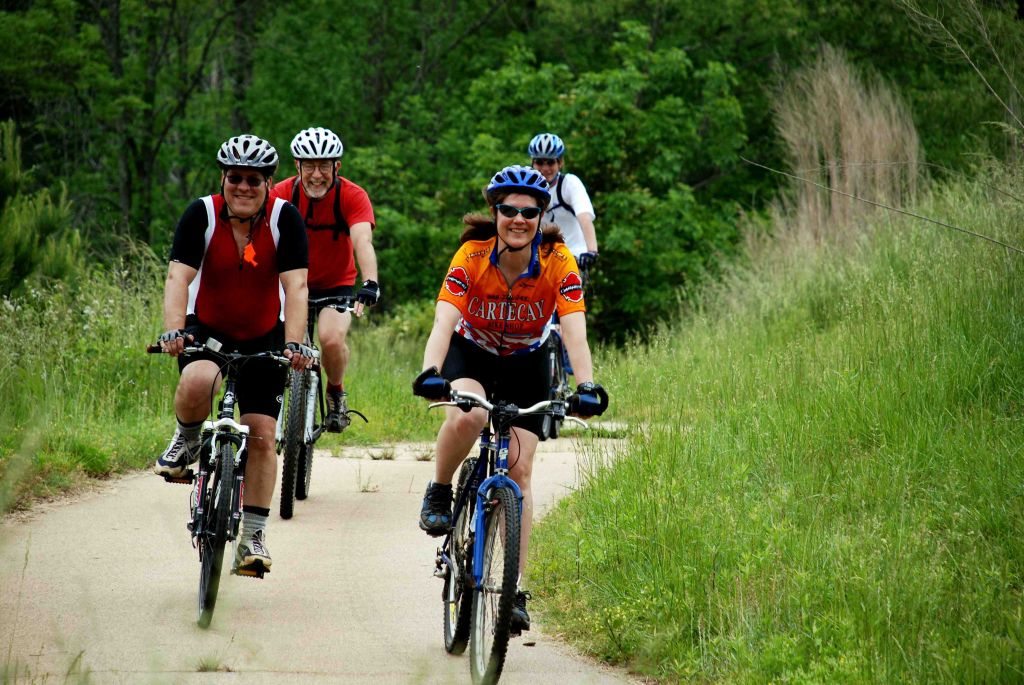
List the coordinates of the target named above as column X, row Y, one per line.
column 311, row 400
column 500, row 479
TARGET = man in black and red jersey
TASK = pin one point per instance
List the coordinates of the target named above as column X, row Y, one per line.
column 339, row 226
column 237, row 274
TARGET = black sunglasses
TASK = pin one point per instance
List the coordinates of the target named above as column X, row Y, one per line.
column 527, row 212
column 251, row 181
column 544, row 161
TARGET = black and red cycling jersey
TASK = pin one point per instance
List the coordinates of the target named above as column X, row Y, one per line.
column 239, row 294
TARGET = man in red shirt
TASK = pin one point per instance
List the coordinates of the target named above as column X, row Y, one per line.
column 237, row 274
column 339, row 225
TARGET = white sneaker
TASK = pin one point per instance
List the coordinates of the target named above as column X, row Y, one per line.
column 176, row 458
column 253, row 551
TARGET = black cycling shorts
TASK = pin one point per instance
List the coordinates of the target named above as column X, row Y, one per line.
column 260, row 382
column 339, row 291
column 519, row 378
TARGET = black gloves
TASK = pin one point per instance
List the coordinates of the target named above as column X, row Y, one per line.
column 369, row 294
column 431, row 385
column 588, row 400
column 299, row 348
column 171, row 336
column 586, row 260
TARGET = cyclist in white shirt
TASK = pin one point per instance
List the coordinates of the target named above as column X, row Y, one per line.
column 571, row 208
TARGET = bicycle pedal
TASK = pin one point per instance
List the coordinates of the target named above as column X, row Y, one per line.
column 251, row 571
column 187, row 479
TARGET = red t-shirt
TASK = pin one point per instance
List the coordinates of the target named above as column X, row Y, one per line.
column 516, row 319
column 331, row 262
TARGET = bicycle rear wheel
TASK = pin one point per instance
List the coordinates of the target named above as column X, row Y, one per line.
column 295, row 420
column 492, row 601
column 212, row 540
column 458, row 596
column 305, row 460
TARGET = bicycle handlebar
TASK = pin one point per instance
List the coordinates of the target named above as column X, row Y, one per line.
column 340, row 303
column 214, row 346
column 465, row 399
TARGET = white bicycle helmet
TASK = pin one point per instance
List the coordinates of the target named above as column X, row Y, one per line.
column 248, row 152
column 546, row 146
column 317, row 143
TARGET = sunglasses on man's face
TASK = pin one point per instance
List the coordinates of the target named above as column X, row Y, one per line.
column 527, row 212
column 251, row 181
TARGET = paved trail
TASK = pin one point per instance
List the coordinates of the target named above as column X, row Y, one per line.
column 106, row 585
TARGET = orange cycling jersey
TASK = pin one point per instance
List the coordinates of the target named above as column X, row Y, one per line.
column 509, row 319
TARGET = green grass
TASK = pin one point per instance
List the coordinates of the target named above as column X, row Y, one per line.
column 80, row 398
column 825, row 481
column 822, row 480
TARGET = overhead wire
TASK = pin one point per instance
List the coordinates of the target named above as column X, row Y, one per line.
column 884, row 206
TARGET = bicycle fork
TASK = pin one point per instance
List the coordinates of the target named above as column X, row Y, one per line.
column 478, row 526
column 311, row 400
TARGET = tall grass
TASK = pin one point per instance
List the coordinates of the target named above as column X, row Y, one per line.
column 75, row 384
column 824, row 483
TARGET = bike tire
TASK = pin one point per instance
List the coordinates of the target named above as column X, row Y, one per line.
column 305, row 460
column 558, row 382
column 213, row 539
column 458, row 596
column 492, row 601
column 293, row 439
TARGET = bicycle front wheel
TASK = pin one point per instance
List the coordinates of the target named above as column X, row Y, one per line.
column 458, row 596
column 212, row 540
column 492, row 601
column 558, row 382
column 295, row 420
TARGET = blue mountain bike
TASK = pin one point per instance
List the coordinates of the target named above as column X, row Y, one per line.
column 479, row 557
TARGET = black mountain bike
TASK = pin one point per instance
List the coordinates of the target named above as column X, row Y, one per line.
column 215, row 508
column 558, row 381
column 301, row 421
column 558, row 376
column 479, row 557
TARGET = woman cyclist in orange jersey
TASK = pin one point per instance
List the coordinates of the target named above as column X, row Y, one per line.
column 492, row 320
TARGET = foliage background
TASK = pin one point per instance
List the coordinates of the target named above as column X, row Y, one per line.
column 822, row 481
column 124, row 104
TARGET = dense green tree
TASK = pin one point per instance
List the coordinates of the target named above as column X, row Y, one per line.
column 36, row 237
column 126, row 102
